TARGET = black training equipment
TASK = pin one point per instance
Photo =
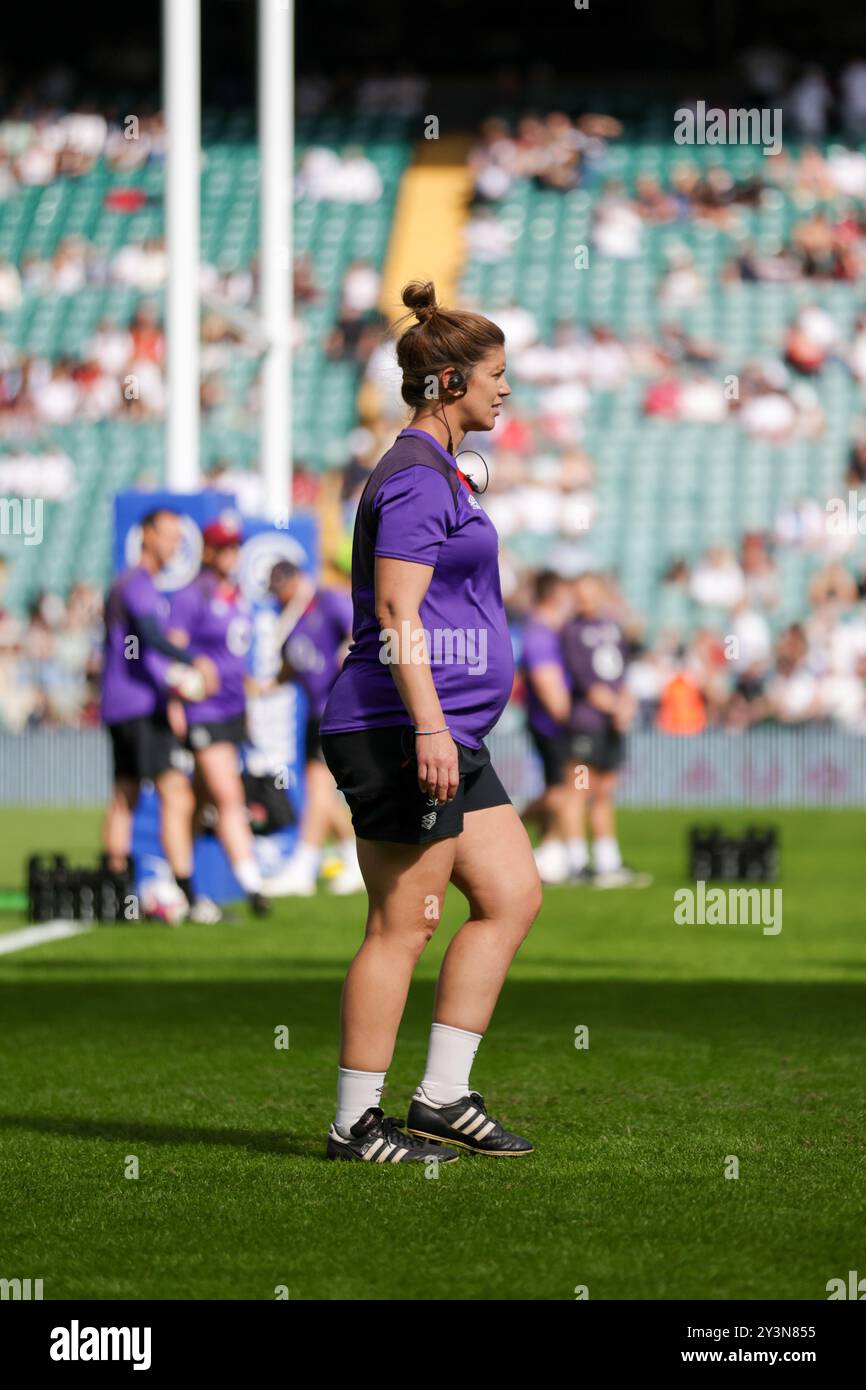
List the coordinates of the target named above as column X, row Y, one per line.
column 749, row 858
column 96, row 894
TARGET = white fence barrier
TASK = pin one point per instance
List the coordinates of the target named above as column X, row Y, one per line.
column 813, row 765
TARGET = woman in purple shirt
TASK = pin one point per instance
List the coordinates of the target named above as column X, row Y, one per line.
column 427, row 677
column 211, row 617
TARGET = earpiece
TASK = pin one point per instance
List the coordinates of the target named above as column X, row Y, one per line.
column 456, row 383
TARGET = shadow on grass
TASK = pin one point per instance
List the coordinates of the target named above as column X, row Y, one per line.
column 130, row 1132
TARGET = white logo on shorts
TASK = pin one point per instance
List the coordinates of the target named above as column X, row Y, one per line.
column 429, row 820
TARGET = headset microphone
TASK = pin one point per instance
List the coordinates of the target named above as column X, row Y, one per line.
column 469, row 479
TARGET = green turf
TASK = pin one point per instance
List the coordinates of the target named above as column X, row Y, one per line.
column 704, row 1042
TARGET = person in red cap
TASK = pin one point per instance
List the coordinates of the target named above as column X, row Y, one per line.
column 212, row 618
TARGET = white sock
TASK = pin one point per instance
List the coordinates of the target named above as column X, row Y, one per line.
column 450, row 1054
column 307, row 858
column 349, row 852
column 552, row 846
column 248, row 875
column 606, row 857
column 578, row 855
column 357, row 1091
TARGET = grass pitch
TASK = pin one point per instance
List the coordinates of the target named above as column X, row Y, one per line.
column 146, row 1043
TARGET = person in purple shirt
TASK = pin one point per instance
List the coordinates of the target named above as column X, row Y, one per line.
column 548, row 705
column 602, row 708
column 140, row 666
column 211, row 618
column 314, row 627
column 428, row 674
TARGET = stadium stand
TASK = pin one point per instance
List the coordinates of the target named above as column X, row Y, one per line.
column 106, row 212
column 686, row 343
column 667, row 490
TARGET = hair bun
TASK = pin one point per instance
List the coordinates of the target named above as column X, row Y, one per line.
column 420, row 297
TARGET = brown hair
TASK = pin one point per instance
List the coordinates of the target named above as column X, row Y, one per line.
column 438, row 339
column 545, row 582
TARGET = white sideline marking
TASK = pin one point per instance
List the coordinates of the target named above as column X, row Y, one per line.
column 37, row 936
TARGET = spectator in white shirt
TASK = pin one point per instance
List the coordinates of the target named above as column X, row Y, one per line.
column 57, row 400
column 717, row 580
column 618, row 227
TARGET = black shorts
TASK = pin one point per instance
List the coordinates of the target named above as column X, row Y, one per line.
column 553, row 752
column 313, row 742
column 144, row 748
column 217, row 731
column 604, row 749
column 377, row 772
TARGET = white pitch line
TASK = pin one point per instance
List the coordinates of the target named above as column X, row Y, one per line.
column 37, row 936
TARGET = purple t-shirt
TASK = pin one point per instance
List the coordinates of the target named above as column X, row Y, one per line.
column 541, row 647
column 133, row 678
column 414, row 507
column 311, row 648
column 595, row 654
column 218, row 621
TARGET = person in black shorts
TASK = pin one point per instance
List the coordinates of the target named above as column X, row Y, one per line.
column 212, row 618
column 595, row 655
column 428, row 674
column 548, row 701
column 377, row 772
column 143, row 749
column 142, row 670
column 313, row 629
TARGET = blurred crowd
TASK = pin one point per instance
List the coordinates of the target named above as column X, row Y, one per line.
column 773, row 397
column 52, row 140
column 119, row 371
column 732, row 671
column 718, row 653
column 48, row 137
column 50, row 660
column 740, row 663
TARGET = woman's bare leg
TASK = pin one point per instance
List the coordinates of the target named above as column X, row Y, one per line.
column 495, row 869
column 220, row 773
column 406, row 887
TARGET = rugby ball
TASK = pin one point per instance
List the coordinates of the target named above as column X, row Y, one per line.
column 185, row 681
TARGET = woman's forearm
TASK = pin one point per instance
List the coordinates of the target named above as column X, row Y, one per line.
column 404, row 650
